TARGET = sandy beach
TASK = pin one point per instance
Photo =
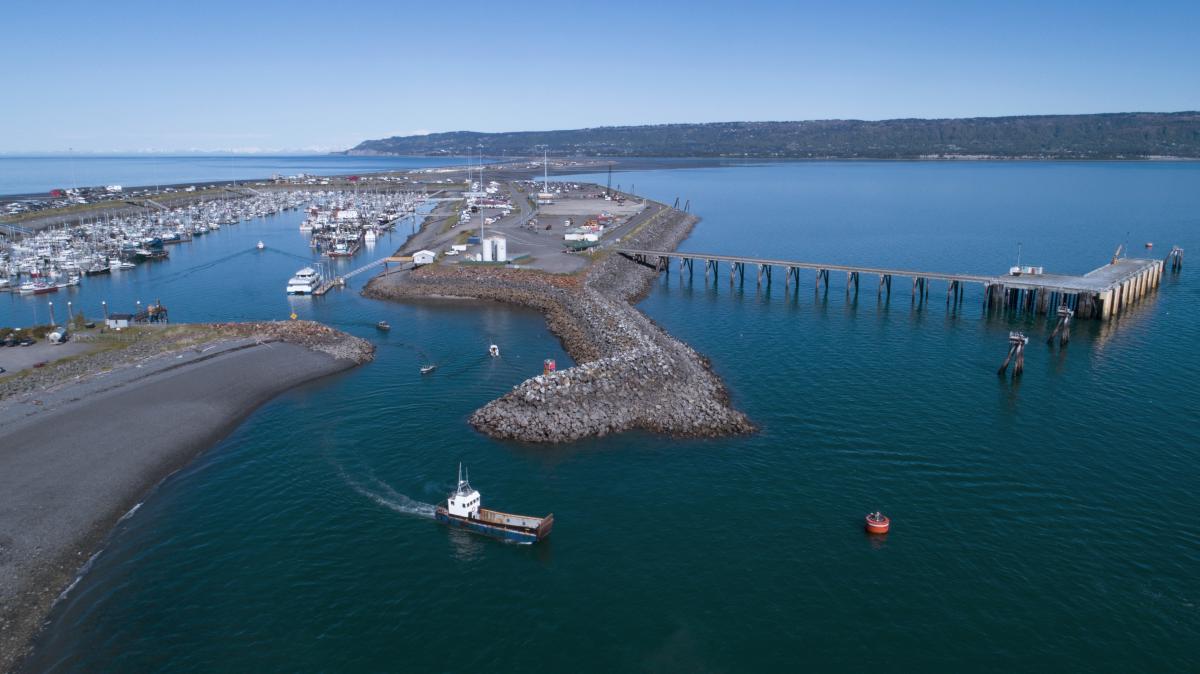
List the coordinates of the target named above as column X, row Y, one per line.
column 75, row 458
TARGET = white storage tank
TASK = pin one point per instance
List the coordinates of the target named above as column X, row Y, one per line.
column 495, row 249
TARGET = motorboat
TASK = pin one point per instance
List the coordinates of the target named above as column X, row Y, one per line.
column 260, row 245
column 461, row 509
column 426, row 369
column 304, row 282
column 37, row 288
column 383, row 326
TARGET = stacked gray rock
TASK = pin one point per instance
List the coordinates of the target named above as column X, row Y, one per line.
column 631, row 373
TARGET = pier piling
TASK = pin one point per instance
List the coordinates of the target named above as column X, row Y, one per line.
column 1063, row 329
column 1175, row 259
column 1016, row 350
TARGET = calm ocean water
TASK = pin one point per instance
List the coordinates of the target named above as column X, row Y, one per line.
column 1042, row 525
column 35, row 175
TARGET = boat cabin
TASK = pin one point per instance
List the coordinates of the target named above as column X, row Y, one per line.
column 463, row 501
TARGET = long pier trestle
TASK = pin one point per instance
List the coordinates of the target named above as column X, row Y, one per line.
column 1102, row 293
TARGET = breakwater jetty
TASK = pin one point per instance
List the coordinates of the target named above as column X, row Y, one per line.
column 1101, row 293
column 630, row 374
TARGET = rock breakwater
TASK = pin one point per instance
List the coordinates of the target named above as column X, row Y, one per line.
column 631, row 373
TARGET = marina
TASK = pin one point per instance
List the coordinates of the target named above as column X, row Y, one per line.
column 340, row 225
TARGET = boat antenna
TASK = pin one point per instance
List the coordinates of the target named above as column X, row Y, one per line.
column 1018, row 253
column 460, row 473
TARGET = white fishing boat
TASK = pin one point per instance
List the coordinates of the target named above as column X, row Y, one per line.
column 305, row 282
column 260, row 245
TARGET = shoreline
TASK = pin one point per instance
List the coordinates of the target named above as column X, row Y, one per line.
column 80, row 453
column 629, row 373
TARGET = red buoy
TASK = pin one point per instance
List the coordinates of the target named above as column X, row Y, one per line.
column 878, row 523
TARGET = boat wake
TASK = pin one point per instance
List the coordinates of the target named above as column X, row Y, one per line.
column 383, row 494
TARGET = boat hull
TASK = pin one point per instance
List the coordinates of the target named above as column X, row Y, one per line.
column 504, row 534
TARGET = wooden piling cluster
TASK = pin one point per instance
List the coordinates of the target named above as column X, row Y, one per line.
column 1016, row 350
column 1062, row 329
column 920, row 288
column 1175, row 259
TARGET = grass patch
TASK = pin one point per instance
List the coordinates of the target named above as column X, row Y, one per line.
column 452, row 221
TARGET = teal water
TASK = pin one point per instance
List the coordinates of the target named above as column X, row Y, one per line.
column 1042, row 525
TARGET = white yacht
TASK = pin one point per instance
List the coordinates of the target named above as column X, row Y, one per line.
column 304, row 282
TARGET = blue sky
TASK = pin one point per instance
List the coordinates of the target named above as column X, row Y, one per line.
column 265, row 75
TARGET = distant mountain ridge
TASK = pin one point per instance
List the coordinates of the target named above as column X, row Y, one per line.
column 1127, row 135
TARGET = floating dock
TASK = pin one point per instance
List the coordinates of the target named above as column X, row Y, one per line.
column 326, row 286
column 1101, row 293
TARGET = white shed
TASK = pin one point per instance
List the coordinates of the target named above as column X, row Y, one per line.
column 422, row 257
column 118, row 321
